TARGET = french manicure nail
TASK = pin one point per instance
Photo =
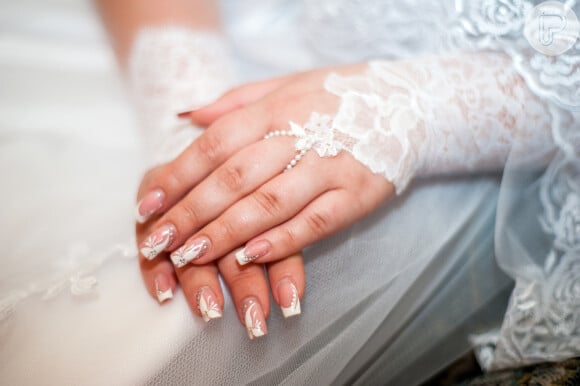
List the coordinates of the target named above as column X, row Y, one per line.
column 158, row 241
column 252, row 252
column 149, row 205
column 162, row 288
column 288, row 297
column 254, row 318
column 207, row 304
column 190, row 251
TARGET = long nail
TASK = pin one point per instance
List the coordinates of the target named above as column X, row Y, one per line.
column 207, row 304
column 190, row 251
column 252, row 251
column 149, row 205
column 288, row 297
column 158, row 241
column 254, row 318
column 162, row 288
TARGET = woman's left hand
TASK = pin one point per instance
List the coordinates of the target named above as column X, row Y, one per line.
column 226, row 189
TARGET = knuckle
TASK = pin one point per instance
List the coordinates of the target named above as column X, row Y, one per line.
column 228, row 230
column 231, row 177
column 172, row 178
column 185, row 211
column 290, row 237
column 242, row 278
column 211, row 148
column 268, row 200
column 318, row 223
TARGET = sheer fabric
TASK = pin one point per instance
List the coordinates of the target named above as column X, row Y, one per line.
column 430, row 116
column 171, row 70
column 392, row 299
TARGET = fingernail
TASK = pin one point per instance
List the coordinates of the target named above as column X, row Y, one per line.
column 151, row 203
column 187, row 114
column 252, row 252
column 190, row 251
column 207, row 304
column 254, row 318
column 288, row 297
column 162, row 288
column 158, row 241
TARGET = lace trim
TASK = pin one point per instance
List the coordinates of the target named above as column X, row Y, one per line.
column 533, row 330
column 541, row 322
column 431, row 116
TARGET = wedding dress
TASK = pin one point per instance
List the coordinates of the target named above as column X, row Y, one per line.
column 390, row 300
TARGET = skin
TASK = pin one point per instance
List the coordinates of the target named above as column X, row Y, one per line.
column 123, row 20
column 237, row 194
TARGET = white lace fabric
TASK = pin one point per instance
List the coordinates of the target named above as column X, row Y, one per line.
column 174, row 69
column 432, row 116
column 541, row 322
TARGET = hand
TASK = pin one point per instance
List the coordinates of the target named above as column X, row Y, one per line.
column 235, row 193
column 248, row 285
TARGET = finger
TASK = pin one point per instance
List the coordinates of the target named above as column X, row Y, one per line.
column 249, row 290
column 271, row 204
column 219, row 142
column 328, row 214
column 358, row 191
column 202, row 290
column 149, row 200
column 232, row 132
column 234, row 99
column 287, row 283
column 158, row 276
column 237, row 177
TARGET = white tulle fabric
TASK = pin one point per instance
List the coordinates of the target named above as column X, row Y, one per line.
column 542, row 256
column 70, row 170
column 430, row 116
column 541, row 321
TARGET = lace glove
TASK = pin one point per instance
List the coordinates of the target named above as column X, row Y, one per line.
column 430, row 116
column 172, row 69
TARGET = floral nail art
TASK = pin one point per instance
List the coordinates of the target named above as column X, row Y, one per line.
column 158, row 241
column 190, row 252
column 254, row 319
column 252, row 251
column 294, row 307
column 207, row 304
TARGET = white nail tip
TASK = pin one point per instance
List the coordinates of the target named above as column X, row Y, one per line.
column 164, row 295
column 242, row 258
column 139, row 217
column 294, row 308
column 186, row 253
column 253, row 322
